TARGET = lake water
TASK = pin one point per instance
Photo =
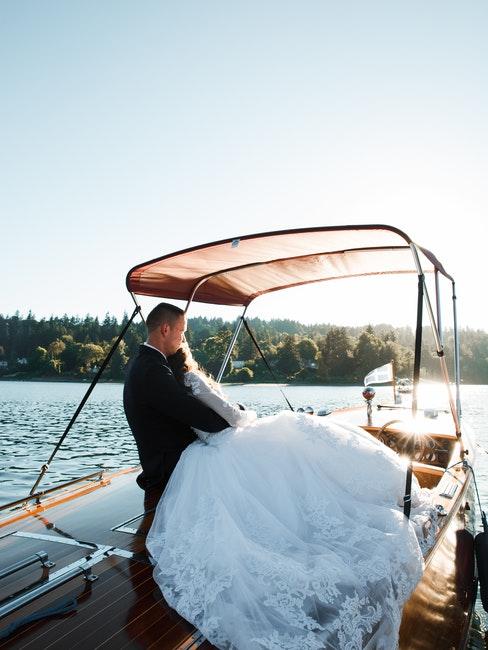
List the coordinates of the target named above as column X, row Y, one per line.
column 33, row 416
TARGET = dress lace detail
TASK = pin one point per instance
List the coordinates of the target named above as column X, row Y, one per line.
column 277, row 536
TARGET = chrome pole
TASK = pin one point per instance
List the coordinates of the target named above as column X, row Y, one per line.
column 195, row 289
column 189, row 303
column 457, row 370
column 428, row 304
column 232, row 343
column 439, row 348
column 438, row 305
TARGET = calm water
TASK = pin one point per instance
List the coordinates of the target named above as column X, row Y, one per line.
column 33, row 416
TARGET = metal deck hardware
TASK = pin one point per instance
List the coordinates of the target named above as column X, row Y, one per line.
column 79, row 567
column 41, row 557
column 67, row 573
column 109, row 550
column 123, row 528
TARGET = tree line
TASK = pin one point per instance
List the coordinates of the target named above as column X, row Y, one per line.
column 73, row 347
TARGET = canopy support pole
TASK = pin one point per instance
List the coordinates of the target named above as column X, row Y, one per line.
column 407, row 499
column 232, row 343
column 418, row 343
column 457, row 371
column 393, row 382
column 106, row 361
column 438, row 344
column 256, row 345
column 438, row 305
column 137, row 306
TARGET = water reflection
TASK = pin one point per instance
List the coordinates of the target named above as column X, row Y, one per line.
column 33, row 416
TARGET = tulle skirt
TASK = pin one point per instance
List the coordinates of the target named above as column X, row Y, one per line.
column 287, row 534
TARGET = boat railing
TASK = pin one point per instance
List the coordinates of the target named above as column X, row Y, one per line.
column 95, row 476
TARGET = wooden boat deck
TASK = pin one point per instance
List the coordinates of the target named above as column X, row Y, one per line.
column 123, row 607
column 105, row 521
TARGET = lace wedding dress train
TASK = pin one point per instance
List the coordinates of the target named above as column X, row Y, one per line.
column 285, row 533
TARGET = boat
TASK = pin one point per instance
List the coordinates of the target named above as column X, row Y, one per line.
column 404, row 385
column 74, row 571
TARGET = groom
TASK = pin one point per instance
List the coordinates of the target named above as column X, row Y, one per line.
column 158, row 409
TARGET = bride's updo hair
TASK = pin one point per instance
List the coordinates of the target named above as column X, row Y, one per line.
column 182, row 362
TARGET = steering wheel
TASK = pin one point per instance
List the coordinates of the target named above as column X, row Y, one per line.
column 401, row 442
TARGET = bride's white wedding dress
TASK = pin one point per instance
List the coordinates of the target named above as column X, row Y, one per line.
column 285, row 533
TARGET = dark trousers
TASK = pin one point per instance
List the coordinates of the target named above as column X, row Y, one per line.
column 152, row 496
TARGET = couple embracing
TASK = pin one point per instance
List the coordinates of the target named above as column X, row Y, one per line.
column 282, row 532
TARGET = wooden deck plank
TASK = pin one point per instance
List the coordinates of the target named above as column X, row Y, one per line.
column 171, row 637
column 134, row 630
column 40, row 633
column 91, row 615
column 144, row 624
column 142, row 630
column 117, row 615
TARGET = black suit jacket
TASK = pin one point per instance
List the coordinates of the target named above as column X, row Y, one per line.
column 160, row 411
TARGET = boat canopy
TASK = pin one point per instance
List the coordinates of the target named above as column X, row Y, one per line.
column 236, row 271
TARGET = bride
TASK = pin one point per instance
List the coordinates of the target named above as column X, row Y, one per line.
column 285, row 532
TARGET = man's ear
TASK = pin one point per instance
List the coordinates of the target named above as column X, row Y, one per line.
column 164, row 329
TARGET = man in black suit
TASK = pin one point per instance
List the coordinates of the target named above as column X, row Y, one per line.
column 159, row 410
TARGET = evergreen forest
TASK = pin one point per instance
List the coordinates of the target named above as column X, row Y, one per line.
column 72, row 348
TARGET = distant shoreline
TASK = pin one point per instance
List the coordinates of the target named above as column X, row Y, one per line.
column 60, row 380
column 80, row 380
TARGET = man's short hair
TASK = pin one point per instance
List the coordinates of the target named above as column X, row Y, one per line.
column 163, row 313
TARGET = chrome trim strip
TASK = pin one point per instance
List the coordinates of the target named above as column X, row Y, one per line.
column 124, row 528
column 109, row 550
column 60, row 540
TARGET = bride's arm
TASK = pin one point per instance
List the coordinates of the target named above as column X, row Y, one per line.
column 210, row 396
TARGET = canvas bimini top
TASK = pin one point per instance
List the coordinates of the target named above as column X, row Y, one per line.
column 236, row 271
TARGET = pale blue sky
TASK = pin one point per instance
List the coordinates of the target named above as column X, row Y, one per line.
column 129, row 130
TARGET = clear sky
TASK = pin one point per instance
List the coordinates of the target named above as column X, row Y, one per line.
column 130, row 130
